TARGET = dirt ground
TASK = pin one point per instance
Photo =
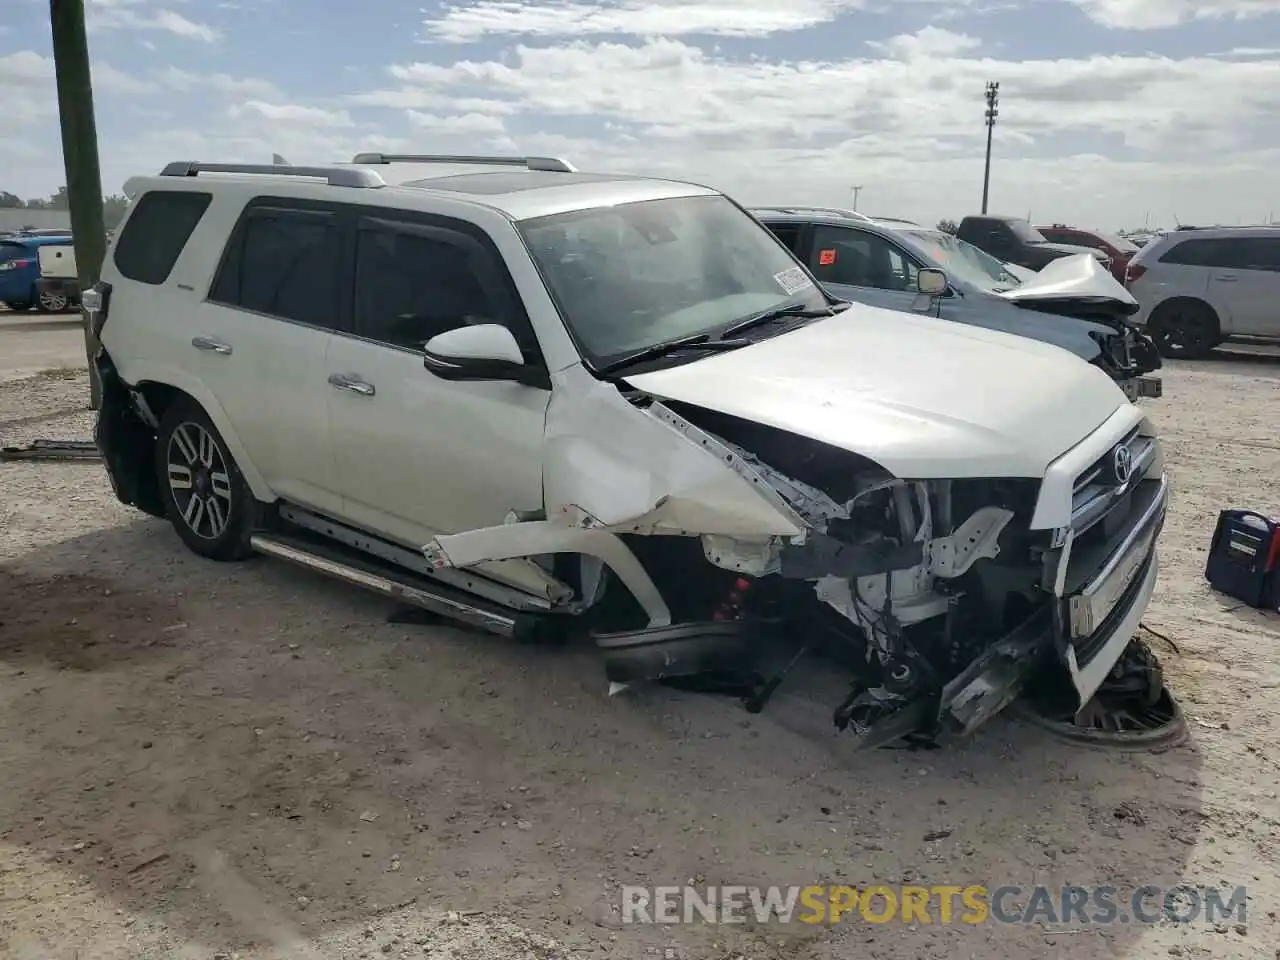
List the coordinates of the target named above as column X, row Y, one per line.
column 202, row 760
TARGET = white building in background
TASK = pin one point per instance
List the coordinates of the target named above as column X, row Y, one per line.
column 23, row 219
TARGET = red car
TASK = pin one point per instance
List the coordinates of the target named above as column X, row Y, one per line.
column 1119, row 249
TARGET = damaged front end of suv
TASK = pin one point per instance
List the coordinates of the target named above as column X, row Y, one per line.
column 723, row 536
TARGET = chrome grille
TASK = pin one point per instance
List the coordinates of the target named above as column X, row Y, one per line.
column 1098, row 490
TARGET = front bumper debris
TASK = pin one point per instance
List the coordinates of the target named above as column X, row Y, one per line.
column 1138, row 388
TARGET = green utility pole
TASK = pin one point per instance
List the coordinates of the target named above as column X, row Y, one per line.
column 80, row 157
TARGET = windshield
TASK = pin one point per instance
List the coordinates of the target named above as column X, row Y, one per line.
column 963, row 261
column 630, row 276
column 1026, row 232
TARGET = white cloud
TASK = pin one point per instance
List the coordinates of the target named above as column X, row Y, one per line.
column 140, row 15
column 33, row 75
column 462, row 23
column 666, row 88
column 458, row 123
column 909, row 126
column 1156, row 14
column 1098, row 139
column 745, row 18
column 172, row 78
column 929, row 42
column 292, row 114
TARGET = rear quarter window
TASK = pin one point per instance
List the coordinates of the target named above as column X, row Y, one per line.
column 156, row 231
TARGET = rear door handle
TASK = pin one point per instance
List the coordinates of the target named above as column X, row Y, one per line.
column 212, row 345
column 1226, row 278
column 351, row 384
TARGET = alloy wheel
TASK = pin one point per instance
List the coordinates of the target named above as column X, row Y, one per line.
column 199, row 480
column 53, row 302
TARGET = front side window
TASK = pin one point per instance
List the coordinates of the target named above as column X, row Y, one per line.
column 855, row 258
column 412, row 284
column 1199, row 252
column 1260, row 253
column 634, row 275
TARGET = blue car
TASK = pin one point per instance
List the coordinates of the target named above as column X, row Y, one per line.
column 1073, row 303
column 21, row 287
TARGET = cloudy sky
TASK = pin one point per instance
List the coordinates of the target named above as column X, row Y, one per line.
column 1111, row 110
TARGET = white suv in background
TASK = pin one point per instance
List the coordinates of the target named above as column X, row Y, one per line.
column 1200, row 287
column 526, row 397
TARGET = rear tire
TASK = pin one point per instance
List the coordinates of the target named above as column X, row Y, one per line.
column 1185, row 329
column 205, row 496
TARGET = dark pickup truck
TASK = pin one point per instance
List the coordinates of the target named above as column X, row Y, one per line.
column 1014, row 240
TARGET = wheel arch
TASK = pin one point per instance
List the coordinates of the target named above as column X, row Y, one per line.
column 161, row 386
column 1183, row 300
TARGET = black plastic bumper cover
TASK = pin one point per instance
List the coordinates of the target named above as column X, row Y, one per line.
column 682, row 650
column 126, row 443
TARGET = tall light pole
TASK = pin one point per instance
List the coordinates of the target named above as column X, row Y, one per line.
column 993, row 103
column 856, row 190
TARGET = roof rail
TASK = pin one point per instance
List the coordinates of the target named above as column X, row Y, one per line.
column 548, row 164
column 336, row 176
column 806, row 208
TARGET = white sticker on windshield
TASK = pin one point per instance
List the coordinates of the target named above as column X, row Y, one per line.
column 793, row 281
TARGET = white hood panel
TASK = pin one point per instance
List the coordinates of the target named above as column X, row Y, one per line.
column 924, row 398
column 1081, row 276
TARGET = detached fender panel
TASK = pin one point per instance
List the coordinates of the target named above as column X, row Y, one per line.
column 611, row 464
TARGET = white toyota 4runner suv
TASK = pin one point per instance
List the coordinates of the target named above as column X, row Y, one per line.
column 529, row 398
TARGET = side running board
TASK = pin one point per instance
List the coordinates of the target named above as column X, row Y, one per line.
column 403, row 587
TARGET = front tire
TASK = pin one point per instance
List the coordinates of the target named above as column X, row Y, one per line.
column 1185, row 329
column 205, row 496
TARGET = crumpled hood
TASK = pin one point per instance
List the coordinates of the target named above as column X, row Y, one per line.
column 1083, row 279
column 924, row 398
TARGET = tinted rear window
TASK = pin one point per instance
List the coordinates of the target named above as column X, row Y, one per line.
column 156, row 231
column 12, row 251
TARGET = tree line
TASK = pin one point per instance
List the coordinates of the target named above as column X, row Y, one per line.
column 113, row 207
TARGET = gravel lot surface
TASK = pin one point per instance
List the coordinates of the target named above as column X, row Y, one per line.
column 204, row 760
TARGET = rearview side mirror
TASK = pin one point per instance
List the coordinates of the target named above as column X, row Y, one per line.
column 931, row 282
column 485, row 351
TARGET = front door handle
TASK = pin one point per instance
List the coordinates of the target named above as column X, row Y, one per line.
column 1226, row 278
column 212, row 345
column 351, row 384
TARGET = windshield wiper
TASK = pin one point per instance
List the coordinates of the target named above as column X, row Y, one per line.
column 778, row 313
column 697, row 341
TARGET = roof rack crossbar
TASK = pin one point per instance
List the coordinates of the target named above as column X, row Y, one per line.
column 547, row 164
column 335, row 176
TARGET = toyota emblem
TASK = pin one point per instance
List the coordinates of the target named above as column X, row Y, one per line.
column 1122, row 464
